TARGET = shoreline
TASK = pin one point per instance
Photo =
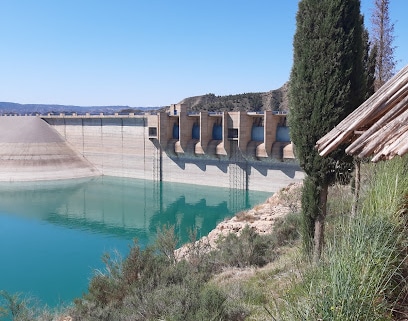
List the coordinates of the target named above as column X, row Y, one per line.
column 261, row 218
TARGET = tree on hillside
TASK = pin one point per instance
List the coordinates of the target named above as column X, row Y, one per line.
column 326, row 84
column 382, row 38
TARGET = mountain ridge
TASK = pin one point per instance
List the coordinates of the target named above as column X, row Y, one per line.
column 16, row 108
column 275, row 100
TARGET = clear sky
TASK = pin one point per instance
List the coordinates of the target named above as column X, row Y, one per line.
column 151, row 52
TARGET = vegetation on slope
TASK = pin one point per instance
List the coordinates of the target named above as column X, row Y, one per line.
column 275, row 100
column 363, row 272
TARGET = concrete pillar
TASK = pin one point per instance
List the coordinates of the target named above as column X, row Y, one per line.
column 245, row 130
column 186, row 123
column 277, row 147
column 264, row 150
column 205, row 134
column 222, row 149
column 165, row 128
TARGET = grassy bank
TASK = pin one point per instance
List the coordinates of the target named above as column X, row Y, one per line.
column 363, row 272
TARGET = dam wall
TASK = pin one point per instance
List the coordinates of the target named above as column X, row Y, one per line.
column 164, row 147
column 30, row 150
column 116, row 146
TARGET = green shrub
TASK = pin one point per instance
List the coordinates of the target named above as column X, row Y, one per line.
column 287, row 229
column 150, row 284
column 17, row 307
column 248, row 249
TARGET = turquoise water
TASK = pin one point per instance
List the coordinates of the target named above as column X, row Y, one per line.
column 53, row 234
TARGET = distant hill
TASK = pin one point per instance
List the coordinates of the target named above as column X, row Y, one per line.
column 32, row 109
column 275, row 100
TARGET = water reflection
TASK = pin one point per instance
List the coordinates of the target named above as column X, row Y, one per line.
column 52, row 234
column 127, row 208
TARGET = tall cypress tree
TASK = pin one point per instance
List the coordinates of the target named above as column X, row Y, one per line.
column 326, row 84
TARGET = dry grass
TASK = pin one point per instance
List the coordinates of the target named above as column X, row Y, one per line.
column 259, row 288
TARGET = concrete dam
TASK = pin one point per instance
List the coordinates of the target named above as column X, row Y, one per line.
column 237, row 150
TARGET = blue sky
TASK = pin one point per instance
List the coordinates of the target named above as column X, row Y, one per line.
column 151, row 52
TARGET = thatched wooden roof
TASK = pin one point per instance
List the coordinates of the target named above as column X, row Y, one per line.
column 378, row 128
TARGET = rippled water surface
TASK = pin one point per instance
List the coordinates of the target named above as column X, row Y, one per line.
column 53, row 234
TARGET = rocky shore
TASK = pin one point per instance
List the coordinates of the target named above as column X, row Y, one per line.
column 260, row 218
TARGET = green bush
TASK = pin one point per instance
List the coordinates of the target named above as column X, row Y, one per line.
column 287, row 229
column 248, row 249
column 17, row 307
column 150, row 285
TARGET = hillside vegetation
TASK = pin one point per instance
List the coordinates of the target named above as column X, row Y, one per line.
column 275, row 100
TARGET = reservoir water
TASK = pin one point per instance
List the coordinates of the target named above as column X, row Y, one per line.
column 53, row 234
